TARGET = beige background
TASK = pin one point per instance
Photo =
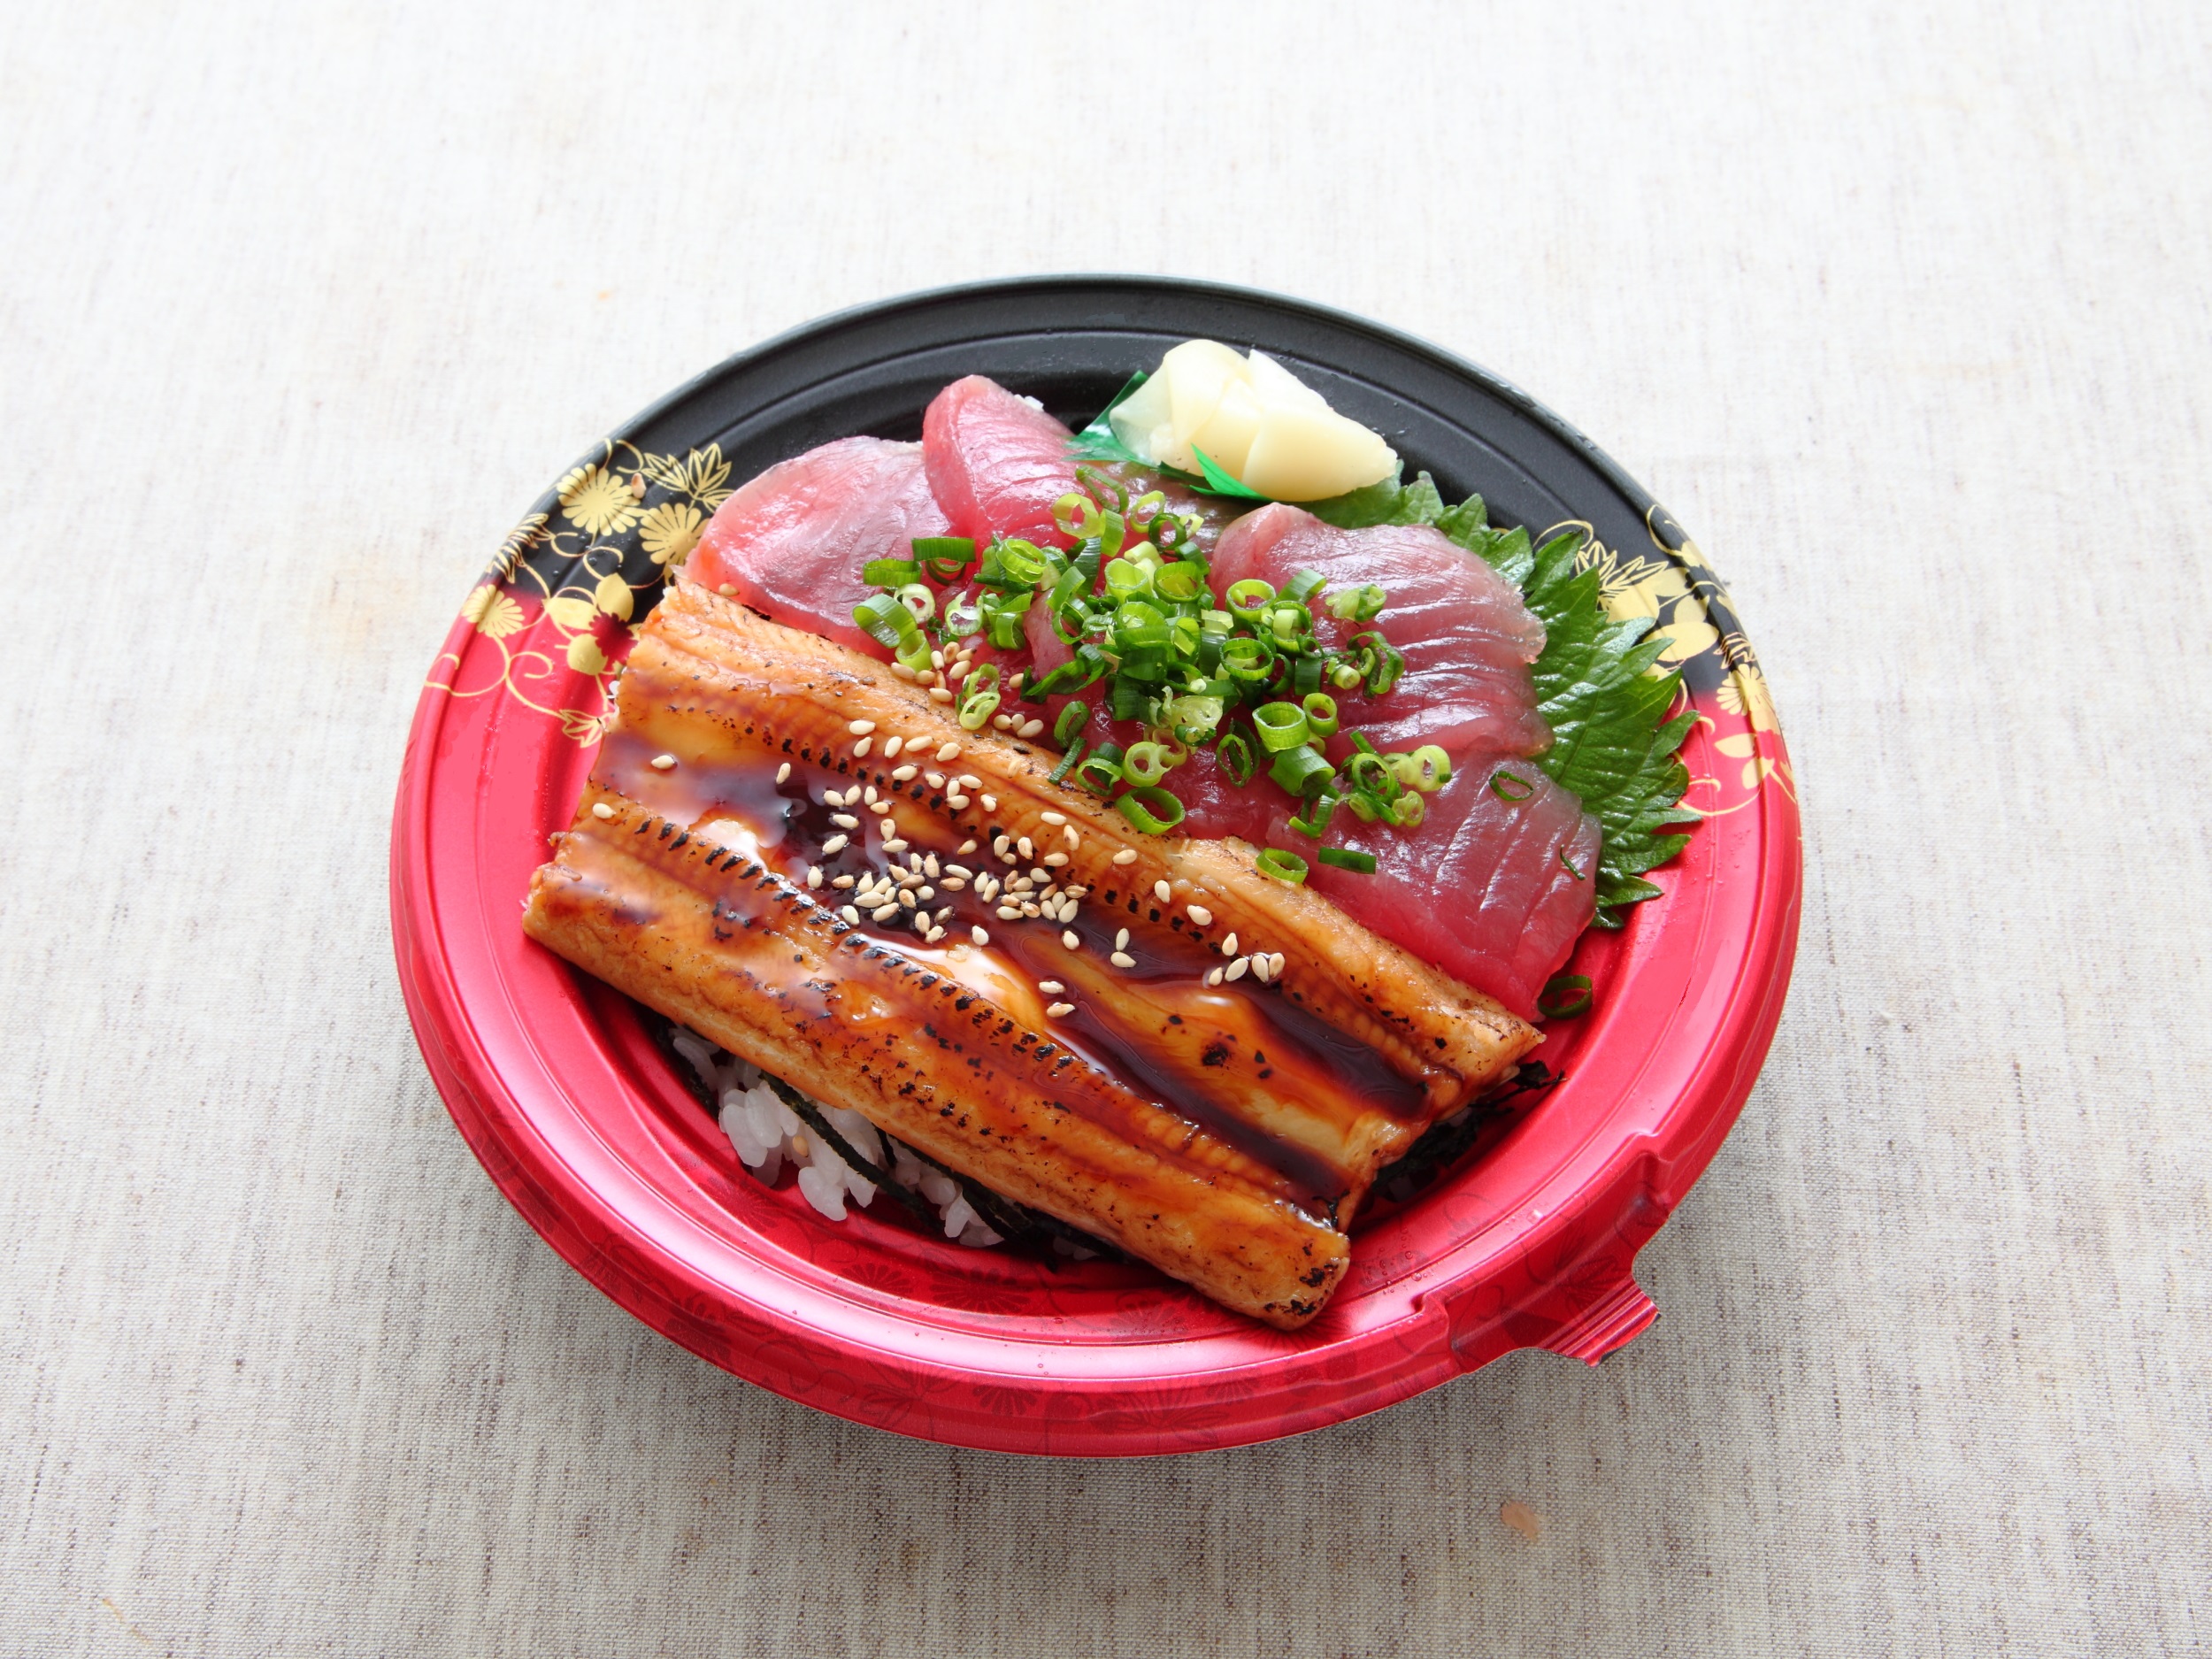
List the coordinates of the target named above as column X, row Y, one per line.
column 1903, row 312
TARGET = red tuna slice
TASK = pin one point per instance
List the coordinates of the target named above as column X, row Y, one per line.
column 997, row 462
column 1467, row 637
column 794, row 541
column 1494, row 891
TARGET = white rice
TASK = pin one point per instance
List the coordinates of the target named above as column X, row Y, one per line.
column 766, row 1134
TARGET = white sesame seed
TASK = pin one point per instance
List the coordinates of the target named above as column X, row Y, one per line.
column 969, row 780
column 860, row 728
column 925, row 892
column 885, row 912
column 895, row 847
column 813, row 878
column 1126, row 855
column 990, row 803
column 861, row 748
column 850, row 915
column 1003, row 721
column 1275, row 965
column 904, row 774
column 1074, row 839
column 934, row 780
column 1010, row 858
column 921, row 923
column 937, row 659
column 891, row 747
column 728, row 590
column 844, row 820
column 664, row 763
column 943, row 910
column 1014, row 685
column 1052, row 818
column 600, row 808
column 1044, row 876
column 955, row 673
column 1122, row 959
column 1121, row 940
column 1009, row 913
column 901, row 671
column 1025, row 849
column 1236, row 968
column 1029, row 728
column 1077, row 893
column 834, row 844
column 1055, row 859
column 929, row 863
column 1031, row 909
column 1060, row 1011
column 1259, row 967
column 1200, row 915
column 1229, row 945
column 936, row 934
column 967, row 848
column 926, row 677
column 783, row 772
column 999, row 844
column 938, row 694
column 1213, row 976
column 870, row 798
column 840, row 881
column 1163, row 891
column 951, row 751
column 951, row 869
column 1071, row 941
column 979, row 934
column 957, row 803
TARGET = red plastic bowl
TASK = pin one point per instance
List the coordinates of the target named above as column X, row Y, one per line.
column 561, row 1090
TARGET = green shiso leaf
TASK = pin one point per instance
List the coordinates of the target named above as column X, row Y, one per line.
column 1390, row 502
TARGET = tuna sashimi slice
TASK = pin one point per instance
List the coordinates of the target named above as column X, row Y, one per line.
column 793, row 542
column 997, row 462
column 1494, row 888
column 1468, row 638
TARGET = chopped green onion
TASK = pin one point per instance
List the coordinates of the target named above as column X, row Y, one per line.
column 1151, row 810
column 1321, row 714
column 1128, row 580
column 891, row 624
column 1281, row 725
column 1388, row 663
column 1362, row 603
column 1283, row 866
column 1288, row 623
column 1569, row 865
column 978, row 707
column 1363, row 807
column 1564, row 995
column 1247, row 656
column 1077, row 515
column 1301, row 771
column 1067, row 762
column 1072, row 719
column 1507, row 786
column 890, row 572
column 1180, row 582
column 944, row 556
column 1305, row 675
column 1408, row 810
column 1315, row 821
column 1427, row 769
column 962, row 617
column 1346, row 859
column 917, row 599
column 1234, row 758
column 1146, row 763
column 1303, row 584
column 1101, row 770
column 1369, row 773
column 1249, row 598
column 1019, row 565
column 1345, row 676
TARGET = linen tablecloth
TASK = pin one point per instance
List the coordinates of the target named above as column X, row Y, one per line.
column 1901, row 312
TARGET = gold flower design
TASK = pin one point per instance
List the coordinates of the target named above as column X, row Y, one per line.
column 492, row 613
column 602, row 501
column 1662, row 593
column 1745, row 693
column 670, row 531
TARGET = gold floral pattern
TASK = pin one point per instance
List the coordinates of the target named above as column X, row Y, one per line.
column 571, row 582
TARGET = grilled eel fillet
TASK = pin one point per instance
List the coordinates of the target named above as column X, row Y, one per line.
column 950, row 1050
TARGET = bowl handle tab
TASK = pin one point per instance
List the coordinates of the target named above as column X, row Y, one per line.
column 1620, row 1313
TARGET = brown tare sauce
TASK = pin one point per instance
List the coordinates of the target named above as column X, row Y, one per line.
column 1238, row 1060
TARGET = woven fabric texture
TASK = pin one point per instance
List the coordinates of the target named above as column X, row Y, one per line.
column 1902, row 311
